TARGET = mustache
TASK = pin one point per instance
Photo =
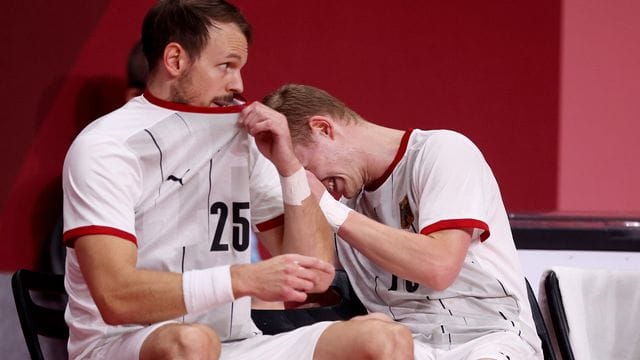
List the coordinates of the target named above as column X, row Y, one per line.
column 229, row 100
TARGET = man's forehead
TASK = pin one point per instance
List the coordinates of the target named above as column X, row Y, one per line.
column 231, row 35
column 227, row 29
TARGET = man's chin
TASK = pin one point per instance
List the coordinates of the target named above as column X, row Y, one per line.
column 347, row 195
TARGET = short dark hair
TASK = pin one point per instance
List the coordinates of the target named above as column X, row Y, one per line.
column 298, row 103
column 186, row 22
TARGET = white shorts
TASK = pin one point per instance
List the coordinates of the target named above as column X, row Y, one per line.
column 497, row 346
column 297, row 344
column 127, row 346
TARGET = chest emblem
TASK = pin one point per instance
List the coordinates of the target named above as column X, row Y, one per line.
column 177, row 179
column 406, row 215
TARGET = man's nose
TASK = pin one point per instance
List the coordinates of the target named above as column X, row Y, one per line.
column 236, row 85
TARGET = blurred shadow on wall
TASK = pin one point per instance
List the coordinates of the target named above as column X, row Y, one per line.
column 98, row 96
column 95, row 97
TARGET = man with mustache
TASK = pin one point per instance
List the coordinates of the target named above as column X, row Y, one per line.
column 159, row 199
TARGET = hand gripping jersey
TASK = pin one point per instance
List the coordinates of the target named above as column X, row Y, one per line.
column 184, row 184
column 440, row 180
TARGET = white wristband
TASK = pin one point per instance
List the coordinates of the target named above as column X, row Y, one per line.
column 295, row 187
column 335, row 211
column 205, row 289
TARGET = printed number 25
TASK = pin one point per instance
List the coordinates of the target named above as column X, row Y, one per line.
column 241, row 225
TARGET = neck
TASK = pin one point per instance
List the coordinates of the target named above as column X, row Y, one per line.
column 160, row 88
column 381, row 152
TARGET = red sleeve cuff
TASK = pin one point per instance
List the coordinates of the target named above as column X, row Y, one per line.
column 70, row 235
column 270, row 224
column 458, row 224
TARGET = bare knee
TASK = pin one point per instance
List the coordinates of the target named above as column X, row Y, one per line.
column 193, row 342
column 197, row 342
column 365, row 339
column 388, row 340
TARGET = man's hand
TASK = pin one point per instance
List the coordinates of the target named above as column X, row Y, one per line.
column 282, row 278
column 317, row 187
column 271, row 132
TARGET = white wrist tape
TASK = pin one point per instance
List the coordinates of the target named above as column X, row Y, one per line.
column 335, row 211
column 205, row 289
column 295, row 187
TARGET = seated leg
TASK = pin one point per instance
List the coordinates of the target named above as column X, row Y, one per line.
column 181, row 341
column 365, row 337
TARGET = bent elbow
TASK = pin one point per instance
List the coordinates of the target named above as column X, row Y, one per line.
column 113, row 312
column 113, row 316
column 442, row 278
column 440, row 283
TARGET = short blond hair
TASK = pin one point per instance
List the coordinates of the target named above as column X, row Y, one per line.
column 298, row 103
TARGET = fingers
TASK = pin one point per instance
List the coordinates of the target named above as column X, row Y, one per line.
column 256, row 128
column 291, row 295
column 290, row 277
column 299, row 283
column 316, row 271
column 308, row 273
column 258, row 117
column 311, row 269
column 310, row 276
column 271, row 132
column 311, row 263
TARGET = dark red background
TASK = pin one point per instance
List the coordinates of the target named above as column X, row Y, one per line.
column 489, row 69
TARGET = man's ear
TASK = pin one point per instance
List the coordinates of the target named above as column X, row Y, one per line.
column 175, row 59
column 323, row 125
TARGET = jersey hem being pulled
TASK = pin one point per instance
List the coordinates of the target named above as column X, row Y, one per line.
column 191, row 108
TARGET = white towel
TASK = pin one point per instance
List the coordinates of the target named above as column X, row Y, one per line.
column 603, row 312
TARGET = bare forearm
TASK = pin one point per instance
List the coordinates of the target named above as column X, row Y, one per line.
column 394, row 250
column 430, row 260
column 141, row 297
column 150, row 297
column 306, row 231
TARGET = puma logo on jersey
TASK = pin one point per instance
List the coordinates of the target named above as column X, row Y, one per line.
column 177, row 179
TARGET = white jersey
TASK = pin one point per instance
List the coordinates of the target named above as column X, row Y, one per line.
column 184, row 184
column 440, row 180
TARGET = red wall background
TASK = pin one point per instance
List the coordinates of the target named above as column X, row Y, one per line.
column 487, row 69
column 600, row 109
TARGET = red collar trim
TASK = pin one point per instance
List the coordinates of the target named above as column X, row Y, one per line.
column 403, row 147
column 190, row 108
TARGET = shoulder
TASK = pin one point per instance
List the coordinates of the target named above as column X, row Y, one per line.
column 134, row 116
column 89, row 144
column 443, row 144
column 439, row 138
column 94, row 152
